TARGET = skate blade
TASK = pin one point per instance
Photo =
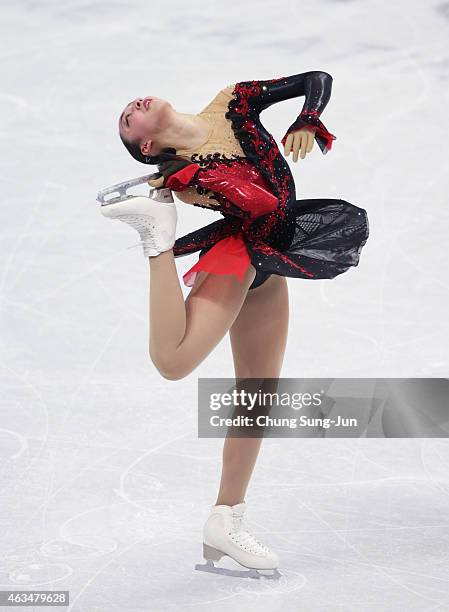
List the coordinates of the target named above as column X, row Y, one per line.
column 120, row 189
column 114, row 201
column 249, row 573
column 119, row 192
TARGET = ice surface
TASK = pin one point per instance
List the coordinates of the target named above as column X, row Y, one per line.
column 104, row 484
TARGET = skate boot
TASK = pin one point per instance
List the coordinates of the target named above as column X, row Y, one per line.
column 153, row 217
column 225, row 534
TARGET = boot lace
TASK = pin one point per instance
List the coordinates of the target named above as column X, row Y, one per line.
column 143, row 224
column 146, row 228
column 246, row 540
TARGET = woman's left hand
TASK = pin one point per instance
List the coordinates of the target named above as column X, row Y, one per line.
column 301, row 139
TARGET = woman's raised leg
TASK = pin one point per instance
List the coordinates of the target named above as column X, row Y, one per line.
column 182, row 334
column 258, row 339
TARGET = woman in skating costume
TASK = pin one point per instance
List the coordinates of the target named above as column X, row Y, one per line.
column 254, row 190
column 224, row 159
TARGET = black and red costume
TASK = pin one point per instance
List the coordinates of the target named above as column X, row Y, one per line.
column 264, row 224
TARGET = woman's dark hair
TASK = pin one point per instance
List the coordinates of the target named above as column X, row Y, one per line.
column 133, row 148
column 167, row 161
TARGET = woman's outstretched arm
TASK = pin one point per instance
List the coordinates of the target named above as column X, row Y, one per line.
column 246, row 195
column 180, row 174
column 315, row 86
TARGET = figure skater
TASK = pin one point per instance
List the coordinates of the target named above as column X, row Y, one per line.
column 224, row 159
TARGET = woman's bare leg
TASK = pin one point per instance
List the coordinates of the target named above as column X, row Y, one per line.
column 258, row 339
column 182, row 334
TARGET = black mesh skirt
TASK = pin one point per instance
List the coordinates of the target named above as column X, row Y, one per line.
column 319, row 239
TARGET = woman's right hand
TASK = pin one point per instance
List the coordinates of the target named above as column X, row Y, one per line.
column 157, row 182
column 166, row 169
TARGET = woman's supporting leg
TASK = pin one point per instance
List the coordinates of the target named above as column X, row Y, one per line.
column 258, row 339
column 182, row 334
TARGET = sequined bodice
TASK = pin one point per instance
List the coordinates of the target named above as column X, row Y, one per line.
column 221, row 143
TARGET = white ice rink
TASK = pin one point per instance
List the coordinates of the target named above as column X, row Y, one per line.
column 104, row 483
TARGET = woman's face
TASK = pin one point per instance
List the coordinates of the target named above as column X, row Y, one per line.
column 143, row 120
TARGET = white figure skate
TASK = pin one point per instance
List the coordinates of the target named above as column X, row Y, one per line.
column 225, row 535
column 154, row 216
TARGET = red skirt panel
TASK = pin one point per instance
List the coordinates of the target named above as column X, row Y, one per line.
column 228, row 256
